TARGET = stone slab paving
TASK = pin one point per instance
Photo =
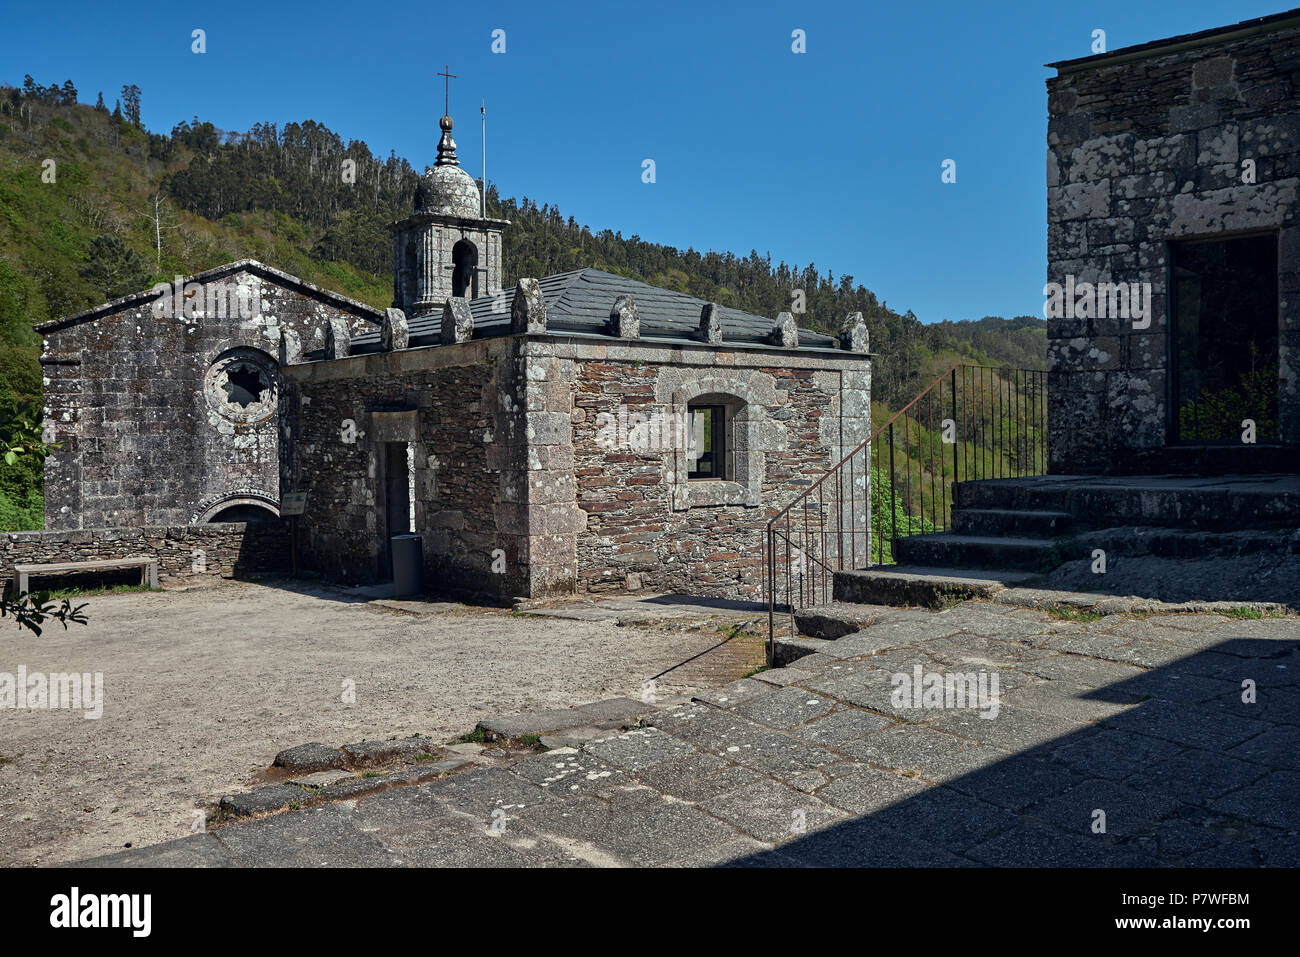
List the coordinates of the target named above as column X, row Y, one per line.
column 1117, row 742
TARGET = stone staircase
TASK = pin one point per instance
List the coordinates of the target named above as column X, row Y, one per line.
column 1233, row 535
column 997, row 525
column 1007, row 532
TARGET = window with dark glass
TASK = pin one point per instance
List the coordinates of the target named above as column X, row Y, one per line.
column 708, row 435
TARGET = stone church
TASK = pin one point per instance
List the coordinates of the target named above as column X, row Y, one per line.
column 166, row 401
column 577, row 432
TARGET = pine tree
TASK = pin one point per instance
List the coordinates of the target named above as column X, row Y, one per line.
column 131, row 98
column 99, row 103
column 113, row 267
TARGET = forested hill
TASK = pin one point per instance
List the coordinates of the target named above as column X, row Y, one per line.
column 121, row 207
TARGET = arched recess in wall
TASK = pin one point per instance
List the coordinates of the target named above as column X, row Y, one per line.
column 243, row 506
column 464, row 272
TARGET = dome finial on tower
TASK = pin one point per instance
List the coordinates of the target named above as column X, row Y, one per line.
column 446, row 145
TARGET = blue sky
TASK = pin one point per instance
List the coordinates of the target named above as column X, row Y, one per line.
column 831, row 156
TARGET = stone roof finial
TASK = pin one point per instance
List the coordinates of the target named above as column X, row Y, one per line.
column 785, row 332
column 528, row 308
column 446, row 145
column 711, row 323
column 624, row 320
column 457, row 321
column 290, row 347
column 853, row 334
column 395, row 333
column 338, row 339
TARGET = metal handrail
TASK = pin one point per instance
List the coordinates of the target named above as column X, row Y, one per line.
column 863, row 445
column 1003, row 412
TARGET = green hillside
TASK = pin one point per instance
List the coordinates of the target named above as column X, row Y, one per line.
column 94, row 206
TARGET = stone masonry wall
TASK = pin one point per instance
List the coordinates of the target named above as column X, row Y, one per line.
column 1145, row 152
column 459, row 408
column 223, row 549
column 146, row 437
column 546, row 515
column 648, row 527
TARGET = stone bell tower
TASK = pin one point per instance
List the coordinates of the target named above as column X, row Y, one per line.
column 447, row 247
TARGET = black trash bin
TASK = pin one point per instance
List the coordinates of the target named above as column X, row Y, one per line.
column 408, row 566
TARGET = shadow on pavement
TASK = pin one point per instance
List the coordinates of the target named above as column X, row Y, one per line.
column 1188, row 774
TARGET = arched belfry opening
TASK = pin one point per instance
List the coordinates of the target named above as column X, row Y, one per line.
column 464, row 269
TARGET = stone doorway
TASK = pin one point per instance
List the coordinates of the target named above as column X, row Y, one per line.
column 396, row 509
column 1224, row 345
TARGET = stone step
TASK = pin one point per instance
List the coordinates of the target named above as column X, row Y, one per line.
column 1186, row 543
column 788, row 649
column 837, row 619
column 1222, row 502
column 608, row 715
column 946, row 549
column 1007, row 521
column 923, row 585
column 1025, row 494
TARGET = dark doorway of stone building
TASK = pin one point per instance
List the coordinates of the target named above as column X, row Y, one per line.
column 395, row 509
column 1224, row 319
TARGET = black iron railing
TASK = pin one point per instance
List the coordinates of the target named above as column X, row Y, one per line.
column 972, row 422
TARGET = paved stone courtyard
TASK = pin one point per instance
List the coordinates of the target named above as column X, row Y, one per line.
column 202, row 688
column 1121, row 741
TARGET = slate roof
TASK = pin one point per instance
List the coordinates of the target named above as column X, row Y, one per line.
column 579, row 301
column 1233, row 31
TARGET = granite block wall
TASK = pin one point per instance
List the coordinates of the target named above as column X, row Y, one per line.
column 1196, row 142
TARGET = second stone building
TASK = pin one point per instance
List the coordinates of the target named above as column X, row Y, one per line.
column 585, row 433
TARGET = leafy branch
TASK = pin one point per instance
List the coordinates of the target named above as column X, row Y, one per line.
column 20, row 435
column 30, row 612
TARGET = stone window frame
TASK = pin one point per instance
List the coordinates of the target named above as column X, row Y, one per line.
column 746, row 461
column 214, row 380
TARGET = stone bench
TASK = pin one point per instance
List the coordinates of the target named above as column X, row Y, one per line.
column 148, row 570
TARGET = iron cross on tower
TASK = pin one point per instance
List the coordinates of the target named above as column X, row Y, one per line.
column 446, row 84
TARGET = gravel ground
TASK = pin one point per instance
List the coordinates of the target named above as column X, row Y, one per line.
column 203, row 687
